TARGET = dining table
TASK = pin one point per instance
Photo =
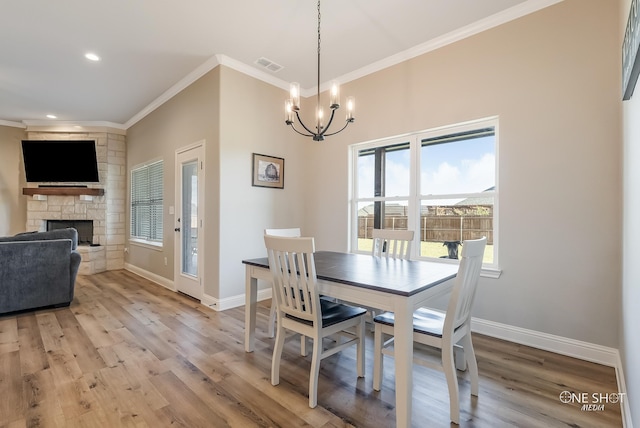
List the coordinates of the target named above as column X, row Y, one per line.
column 396, row 285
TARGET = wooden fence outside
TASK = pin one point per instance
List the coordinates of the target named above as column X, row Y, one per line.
column 439, row 224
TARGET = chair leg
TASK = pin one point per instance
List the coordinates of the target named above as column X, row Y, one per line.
column 277, row 354
column 449, row 369
column 377, row 357
column 272, row 320
column 360, row 347
column 315, row 372
column 472, row 363
column 303, row 345
column 459, row 357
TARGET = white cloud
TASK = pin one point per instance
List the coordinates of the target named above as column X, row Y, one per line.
column 472, row 175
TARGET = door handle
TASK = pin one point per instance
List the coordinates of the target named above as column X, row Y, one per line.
column 177, row 229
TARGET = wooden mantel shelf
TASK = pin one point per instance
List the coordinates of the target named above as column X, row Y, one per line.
column 62, row 191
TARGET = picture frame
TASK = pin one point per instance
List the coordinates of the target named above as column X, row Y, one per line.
column 268, row 171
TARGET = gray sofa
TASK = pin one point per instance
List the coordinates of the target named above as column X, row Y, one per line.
column 38, row 269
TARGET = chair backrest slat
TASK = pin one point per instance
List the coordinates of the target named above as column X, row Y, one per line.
column 390, row 243
column 292, row 266
column 466, row 282
column 292, row 232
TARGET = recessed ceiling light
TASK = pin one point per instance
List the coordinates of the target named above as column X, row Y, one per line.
column 92, row 57
column 52, row 116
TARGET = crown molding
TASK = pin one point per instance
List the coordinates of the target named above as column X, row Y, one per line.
column 495, row 20
column 73, row 126
column 12, row 124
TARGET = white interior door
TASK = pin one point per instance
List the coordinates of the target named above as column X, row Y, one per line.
column 189, row 220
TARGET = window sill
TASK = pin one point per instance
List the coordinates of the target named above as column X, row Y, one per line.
column 491, row 273
column 157, row 246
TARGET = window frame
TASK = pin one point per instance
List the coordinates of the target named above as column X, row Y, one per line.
column 154, row 223
column 415, row 197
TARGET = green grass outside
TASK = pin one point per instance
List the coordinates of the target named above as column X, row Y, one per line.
column 428, row 249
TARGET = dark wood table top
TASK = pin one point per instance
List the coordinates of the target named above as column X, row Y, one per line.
column 401, row 277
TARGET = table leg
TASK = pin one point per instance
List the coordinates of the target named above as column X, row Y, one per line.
column 251, row 300
column 403, row 344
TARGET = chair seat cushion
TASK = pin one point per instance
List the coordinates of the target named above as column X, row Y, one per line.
column 334, row 313
column 425, row 321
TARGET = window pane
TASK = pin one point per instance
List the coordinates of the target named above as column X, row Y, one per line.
column 393, row 174
column 395, row 215
column 366, row 174
column 397, row 174
column 462, row 166
column 190, row 216
column 444, row 223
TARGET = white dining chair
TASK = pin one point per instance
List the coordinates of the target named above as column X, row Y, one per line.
column 292, row 232
column 441, row 330
column 392, row 243
column 301, row 310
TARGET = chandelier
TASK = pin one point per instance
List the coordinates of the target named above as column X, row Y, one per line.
column 292, row 105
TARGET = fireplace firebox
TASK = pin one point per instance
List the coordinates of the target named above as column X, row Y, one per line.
column 84, row 228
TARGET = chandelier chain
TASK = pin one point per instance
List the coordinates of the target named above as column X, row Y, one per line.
column 292, row 106
column 318, row 81
column 318, row 27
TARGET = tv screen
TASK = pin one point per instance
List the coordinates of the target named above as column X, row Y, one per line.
column 60, row 161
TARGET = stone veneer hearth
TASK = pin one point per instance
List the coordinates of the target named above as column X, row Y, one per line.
column 107, row 211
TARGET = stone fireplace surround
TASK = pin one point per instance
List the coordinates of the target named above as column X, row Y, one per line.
column 106, row 210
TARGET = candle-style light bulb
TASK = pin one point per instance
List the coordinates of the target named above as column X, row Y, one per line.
column 288, row 112
column 351, row 107
column 294, row 90
column 334, row 95
column 320, row 117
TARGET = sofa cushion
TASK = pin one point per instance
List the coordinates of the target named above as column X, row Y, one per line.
column 67, row 233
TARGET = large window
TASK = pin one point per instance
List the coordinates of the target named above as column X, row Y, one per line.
column 147, row 191
column 440, row 183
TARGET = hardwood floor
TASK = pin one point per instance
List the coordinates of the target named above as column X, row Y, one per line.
column 128, row 352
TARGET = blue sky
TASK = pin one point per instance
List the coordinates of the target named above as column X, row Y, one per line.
column 462, row 167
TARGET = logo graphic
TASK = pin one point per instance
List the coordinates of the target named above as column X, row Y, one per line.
column 591, row 402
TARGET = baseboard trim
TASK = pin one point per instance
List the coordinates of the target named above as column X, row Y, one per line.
column 548, row 342
column 160, row 280
column 234, row 301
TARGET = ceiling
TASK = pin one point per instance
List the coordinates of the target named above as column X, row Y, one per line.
column 149, row 48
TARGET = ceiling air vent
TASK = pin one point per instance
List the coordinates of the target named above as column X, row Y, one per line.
column 268, row 64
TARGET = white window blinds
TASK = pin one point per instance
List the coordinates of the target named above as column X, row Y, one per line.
column 147, row 202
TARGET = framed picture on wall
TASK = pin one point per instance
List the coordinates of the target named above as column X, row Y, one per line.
column 268, row 171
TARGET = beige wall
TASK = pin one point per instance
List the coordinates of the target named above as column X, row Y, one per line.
column 630, row 300
column 237, row 116
column 252, row 121
column 552, row 77
column 13, row 206
column 189, row 117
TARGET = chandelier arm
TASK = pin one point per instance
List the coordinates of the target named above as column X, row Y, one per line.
column 341, row 129
column 301, row 133
column 326, row 128
column 312, row 134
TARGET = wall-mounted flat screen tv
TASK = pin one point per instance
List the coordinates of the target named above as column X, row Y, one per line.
column 60, row 161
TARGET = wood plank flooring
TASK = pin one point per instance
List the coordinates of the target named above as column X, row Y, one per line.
column 129, row 353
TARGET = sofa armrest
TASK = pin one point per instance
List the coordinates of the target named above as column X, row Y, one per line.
column 35, row 274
